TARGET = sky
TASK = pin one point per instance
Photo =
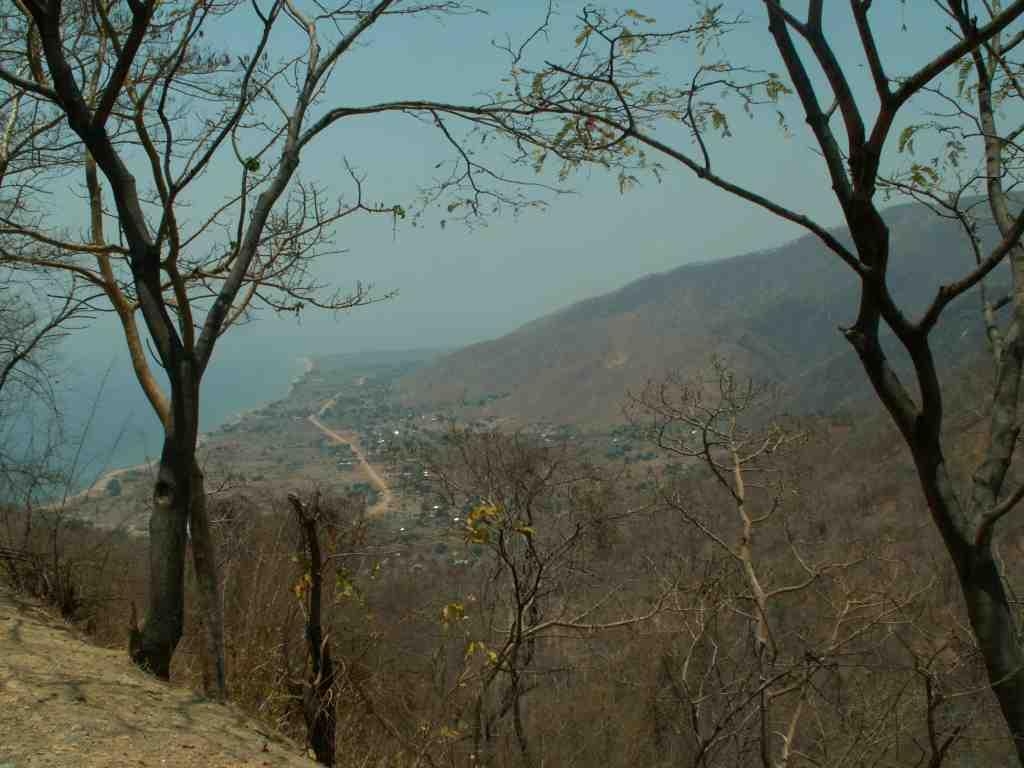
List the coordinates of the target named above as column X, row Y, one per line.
column 456, row 285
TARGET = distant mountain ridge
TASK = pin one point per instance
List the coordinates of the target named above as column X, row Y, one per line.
column 773, row 314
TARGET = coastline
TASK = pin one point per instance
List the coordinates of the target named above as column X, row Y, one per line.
column 98, row 487
column 308, row 366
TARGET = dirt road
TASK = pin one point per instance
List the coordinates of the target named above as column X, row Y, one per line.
column 386, row 500
column 66, row 703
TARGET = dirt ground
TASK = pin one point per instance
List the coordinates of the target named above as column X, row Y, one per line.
column 386, row 500
column 66, row 703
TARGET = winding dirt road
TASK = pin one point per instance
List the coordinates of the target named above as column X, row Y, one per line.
column 386, row 500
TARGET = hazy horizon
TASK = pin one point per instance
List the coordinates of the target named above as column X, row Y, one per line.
column 458, row 285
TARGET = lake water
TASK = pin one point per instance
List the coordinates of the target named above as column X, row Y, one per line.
column 110, row 423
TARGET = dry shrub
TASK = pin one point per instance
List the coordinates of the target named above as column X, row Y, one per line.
column 870, row 658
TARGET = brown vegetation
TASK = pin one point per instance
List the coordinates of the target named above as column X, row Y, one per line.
column 767, row 599
column 760, row 597
column 776, row 320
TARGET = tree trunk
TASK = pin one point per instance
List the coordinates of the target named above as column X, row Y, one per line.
column 318, row 704
column 152, row 647
column 179, row 504
column 208, row 580
column 981, row 584
column 996, row 631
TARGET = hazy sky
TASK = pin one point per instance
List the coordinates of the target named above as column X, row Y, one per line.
column 457, row 285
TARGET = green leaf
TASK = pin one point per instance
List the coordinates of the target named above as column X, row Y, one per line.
column 924, row 175
column 906, row 142
column 627, row 40
column 775, row 88
column 637, row 16
column 539, row 156
column 720, row 122
column 537, row 87
column 963, row 70
column 453, row 612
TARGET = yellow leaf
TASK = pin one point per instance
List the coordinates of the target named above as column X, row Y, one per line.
column 453, row 612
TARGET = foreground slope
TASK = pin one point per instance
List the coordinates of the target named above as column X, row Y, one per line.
column 774, row 313
column 66, row 703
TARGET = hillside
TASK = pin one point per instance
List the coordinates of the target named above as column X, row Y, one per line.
column 66, row 703
column 773, row 312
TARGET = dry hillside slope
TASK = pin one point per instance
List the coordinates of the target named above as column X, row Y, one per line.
column 773, row 313
column 66, row 703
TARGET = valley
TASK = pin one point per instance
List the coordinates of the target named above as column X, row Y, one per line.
column 611, row 386
column 362, row 423
column 344, row 428
column 542, row 507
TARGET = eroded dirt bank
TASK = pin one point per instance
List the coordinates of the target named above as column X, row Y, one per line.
column 65, row 703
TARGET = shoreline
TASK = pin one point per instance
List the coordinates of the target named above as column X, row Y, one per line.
column 308, row 366
column 98, row 487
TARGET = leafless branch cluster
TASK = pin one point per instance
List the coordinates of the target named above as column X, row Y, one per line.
column 614, row 104
column 133, row 108
column 773, row 623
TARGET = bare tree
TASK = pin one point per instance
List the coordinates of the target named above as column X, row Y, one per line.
column 32, row 326
column 132, row 99
column 772, row 623
column 609, row 104
column 536, row 514
column 27, row 338
column 319, row 707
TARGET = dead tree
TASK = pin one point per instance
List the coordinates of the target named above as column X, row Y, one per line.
column 607, row 104
column 131, row 102
column 318, row 704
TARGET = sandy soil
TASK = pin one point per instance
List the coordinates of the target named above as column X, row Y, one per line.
column 66, row 703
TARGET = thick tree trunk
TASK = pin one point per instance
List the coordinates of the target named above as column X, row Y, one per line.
column 153, row 646
column 980, row 579
column 179, row 506
column 208, row 580
column 996, row 631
